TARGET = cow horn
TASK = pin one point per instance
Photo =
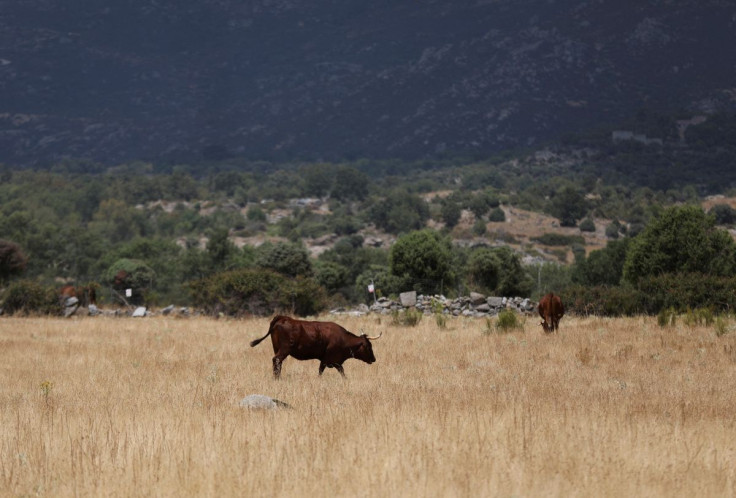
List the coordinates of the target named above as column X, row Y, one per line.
column 374, row 338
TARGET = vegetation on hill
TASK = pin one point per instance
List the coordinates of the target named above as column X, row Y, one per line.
column 448, row 226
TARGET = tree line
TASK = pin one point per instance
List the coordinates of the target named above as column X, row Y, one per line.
column 177, row 227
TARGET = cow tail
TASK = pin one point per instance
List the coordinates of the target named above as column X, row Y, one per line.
column 256, row 342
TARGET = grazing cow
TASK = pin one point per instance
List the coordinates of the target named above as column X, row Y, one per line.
column 66, row 292
column 327, row 342
column 86, row 295
column 551, row 310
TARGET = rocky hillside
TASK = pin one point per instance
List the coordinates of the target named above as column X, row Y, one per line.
column 187, row 80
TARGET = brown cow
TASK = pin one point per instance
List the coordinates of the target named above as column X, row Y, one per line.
column 327, row 342
column 551, row 311
column 86, row 294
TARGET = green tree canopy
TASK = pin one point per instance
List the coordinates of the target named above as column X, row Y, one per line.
column 451, row 212
column 513, row 279
column 399, row 212
column 484, row 267
column 350, row 184
column 683, row 239
column 286, row 258
column 568, row 205
column 604, row 266
column 423, row 260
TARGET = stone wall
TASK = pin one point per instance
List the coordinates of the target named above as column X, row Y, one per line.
column 475, row 305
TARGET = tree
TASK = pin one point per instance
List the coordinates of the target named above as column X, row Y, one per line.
column 423, row 260
column 724, row 214
column 513, row 280
column 286, row 258
column 587, row 225
column 604, row 266
column 131, row 274
column 450, row 213
column 399, row 212
column 318, row 179
column 479, row 204
column 12, row 260
column 497, row 214
column 219, row 248
column 332, row 276
column 683, row 239
column 484, row 267
column 350, row 184
column 568, row 205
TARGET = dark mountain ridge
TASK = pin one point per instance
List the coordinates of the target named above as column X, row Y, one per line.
column 291, row 79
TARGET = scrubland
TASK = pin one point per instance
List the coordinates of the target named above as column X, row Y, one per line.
column 149, row 407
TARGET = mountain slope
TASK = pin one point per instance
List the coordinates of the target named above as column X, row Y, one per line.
column 285, row 79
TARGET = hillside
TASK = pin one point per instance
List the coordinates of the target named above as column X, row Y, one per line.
column 282, row 80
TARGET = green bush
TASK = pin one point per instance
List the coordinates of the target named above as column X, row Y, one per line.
column 507, row 321
column 721, row 326
column 257, row 292
column 603, row 300
column 28, row 297
column 612, row 230
column 682, row 239
column 587, row 225
column 698, row 316
column 681, row 290
column 667, row 317
column 558, row 239
column 407, row 318
column 479, row 227
column 497, row 214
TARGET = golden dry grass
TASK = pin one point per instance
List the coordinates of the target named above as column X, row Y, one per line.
column 149, row 407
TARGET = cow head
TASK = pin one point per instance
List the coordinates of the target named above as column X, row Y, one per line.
column 364, row 349
column 545, row 326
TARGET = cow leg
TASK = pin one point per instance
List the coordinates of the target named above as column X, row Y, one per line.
column 339, row 369
column 277, row 361
column 322, row 366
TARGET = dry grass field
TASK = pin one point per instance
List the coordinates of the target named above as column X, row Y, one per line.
column 149, row 407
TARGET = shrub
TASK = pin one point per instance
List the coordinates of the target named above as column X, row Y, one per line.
column 407, row 318
column 692, row 289
column 257, row 292
column 603, row 300
column 724, row 214
column 587, row 225
column 682, row 239
column 497, row 214
column 558, row 239
column 667, row 317
column 698, row 316
column 721, row 326
column 612, row 230
column 507, row 321
column 479, row 227
column 28, row 297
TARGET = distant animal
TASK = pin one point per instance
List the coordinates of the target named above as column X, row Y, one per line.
column 551, row 311
column 327, row 342
column 86, row 294
column 120, row 280
column 65, row 292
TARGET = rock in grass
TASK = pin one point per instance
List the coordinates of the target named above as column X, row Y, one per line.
column 261, row 402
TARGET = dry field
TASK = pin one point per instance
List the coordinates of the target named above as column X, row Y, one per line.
column 149, row 407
